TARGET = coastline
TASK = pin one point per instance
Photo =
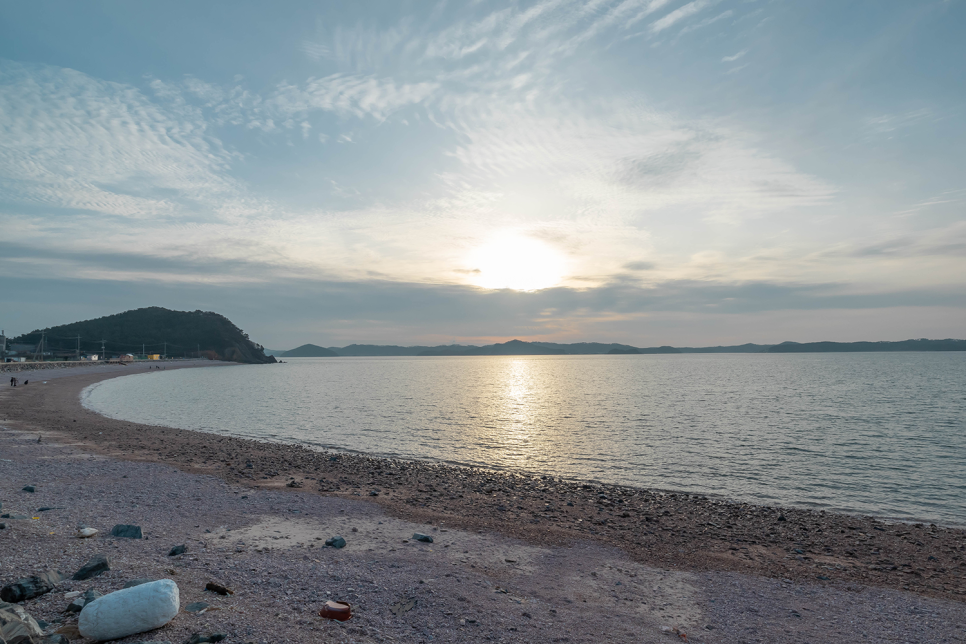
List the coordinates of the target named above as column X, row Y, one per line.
column 676, row 534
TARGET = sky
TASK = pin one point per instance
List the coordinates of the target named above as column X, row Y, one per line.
column 684, row 172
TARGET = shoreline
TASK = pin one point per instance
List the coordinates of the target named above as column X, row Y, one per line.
column 680, row 530
column 511, row 562
column 330, row 450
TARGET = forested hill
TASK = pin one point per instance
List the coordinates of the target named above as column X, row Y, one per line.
column 187, row 334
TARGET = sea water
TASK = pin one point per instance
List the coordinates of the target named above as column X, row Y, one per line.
column 871, row 433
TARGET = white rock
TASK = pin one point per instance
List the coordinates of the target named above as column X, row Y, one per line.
column 72, row 594
column 84, row 533
column 129, row 611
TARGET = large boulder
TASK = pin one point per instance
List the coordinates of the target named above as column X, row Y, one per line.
column 129, row 611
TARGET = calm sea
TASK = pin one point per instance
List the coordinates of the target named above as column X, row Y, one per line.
column 874, row 433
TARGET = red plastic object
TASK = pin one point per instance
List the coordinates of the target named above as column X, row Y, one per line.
column 336, row 610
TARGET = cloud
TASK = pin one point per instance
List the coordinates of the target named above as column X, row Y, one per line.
column 73, row 142
column 678, row 15
column 731, row 59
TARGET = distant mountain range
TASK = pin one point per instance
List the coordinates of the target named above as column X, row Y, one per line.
column 854, row 347
column 310, row 351
column 521, row 348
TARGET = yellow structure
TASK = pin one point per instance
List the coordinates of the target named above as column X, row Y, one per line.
column 154, row 356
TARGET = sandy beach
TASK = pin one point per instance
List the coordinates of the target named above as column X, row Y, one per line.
column 514, row 558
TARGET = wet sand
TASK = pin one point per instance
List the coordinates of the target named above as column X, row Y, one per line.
column 583, row 561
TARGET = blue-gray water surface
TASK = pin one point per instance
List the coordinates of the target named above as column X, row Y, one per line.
column 871, row 433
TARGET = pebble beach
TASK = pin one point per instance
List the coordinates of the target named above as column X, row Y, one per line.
column 514, row 557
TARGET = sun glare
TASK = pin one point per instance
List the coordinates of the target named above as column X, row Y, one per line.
column 517, row 262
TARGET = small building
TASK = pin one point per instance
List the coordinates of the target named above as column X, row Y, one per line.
column 15, row 359
column 93, row 357
column 154, row 356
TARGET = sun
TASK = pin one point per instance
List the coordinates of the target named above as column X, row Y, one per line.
column 516, row 262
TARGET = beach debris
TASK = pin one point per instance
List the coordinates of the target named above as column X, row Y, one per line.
column 198, row 638
column 403, row 606
column 196, row 607
column 335, row 542
column 125, row 531
column 86, row 533
column 97, row 565
column 425, row 538
column 130, row 611
column 29, row 488
column 178, row 550
column 218, row 588
column 70, row 631
column 138, row 582
column 30, row 587
column 16, row 625
column 340, row 611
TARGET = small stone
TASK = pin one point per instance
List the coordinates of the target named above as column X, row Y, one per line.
column 335, row 542
column 91, row 594
column 198, row 638
column 72, row 594
column 125, row 531
column 29, row 488
column 86, row 533
column 76, row 606
column 178, row 550
column 425, row 538
column 56, row 638
column 138, row 582
column 218, row 588
column 196, row 607
column 98, row 564
column 3, row 526
column 30, row 587
column 373, row 493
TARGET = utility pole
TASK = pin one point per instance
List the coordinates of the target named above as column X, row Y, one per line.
column 103, row 352
column 164, row 355
column 40, row 346
column 199, row 351
column 142, row 351
column 78, row 346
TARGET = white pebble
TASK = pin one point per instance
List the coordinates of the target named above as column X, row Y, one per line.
column 129, row 611
column 84, row 533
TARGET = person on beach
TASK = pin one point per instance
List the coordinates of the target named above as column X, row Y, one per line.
column 11, row 381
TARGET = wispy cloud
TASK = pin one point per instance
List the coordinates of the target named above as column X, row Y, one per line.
column 731, row 59
column 678, row 15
